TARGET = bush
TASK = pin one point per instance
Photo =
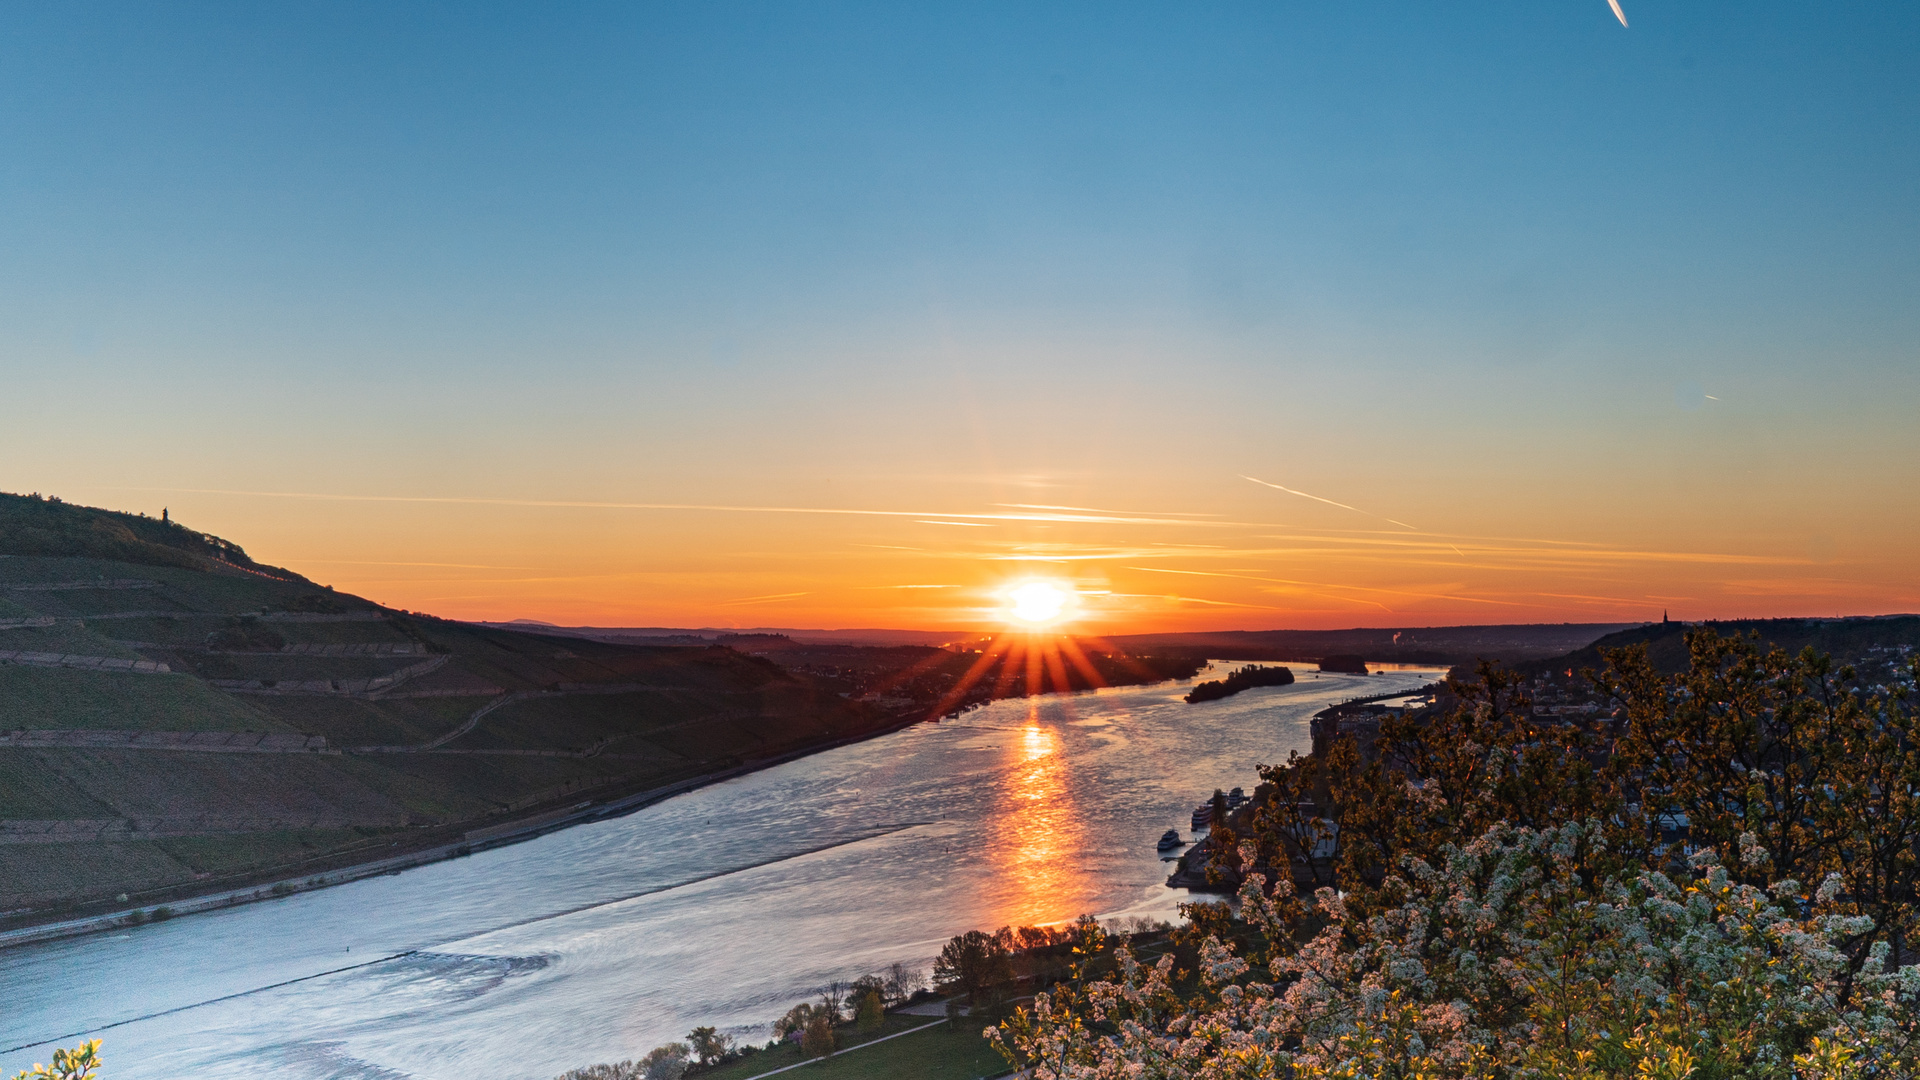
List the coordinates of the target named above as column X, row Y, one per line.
column 870, row 1014
column 667, row 1062
column 623, row 1070
column 709, row 1046
column 818, row 1040
column 79, row 1063
column 797, row 1019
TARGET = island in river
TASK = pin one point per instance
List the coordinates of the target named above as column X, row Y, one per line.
column 1245, row 678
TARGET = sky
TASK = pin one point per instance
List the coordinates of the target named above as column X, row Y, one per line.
column 816, row 315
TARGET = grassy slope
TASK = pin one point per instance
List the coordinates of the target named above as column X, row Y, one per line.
column 941, row 1052
column 679, row 713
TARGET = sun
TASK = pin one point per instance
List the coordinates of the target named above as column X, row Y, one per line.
column 1038, row 603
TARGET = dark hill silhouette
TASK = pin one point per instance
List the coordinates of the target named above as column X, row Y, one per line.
column 1847, row 640
column 32, row 525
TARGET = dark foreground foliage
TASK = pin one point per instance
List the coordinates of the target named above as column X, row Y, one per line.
column 1718, row 881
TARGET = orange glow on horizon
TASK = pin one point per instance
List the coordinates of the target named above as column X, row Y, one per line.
column 1297, row 563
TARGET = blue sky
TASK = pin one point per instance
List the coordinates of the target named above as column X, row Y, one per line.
column 1657, row 283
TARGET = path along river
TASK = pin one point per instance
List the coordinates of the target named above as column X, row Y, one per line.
column 723, row 906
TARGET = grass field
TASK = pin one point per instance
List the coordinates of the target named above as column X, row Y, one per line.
column 30, row 790
column 284, row 667
column 64, row 638
column 347, row 721
column 940, row 1052
column 35, row 697
column 38, row 875
column 579, row 720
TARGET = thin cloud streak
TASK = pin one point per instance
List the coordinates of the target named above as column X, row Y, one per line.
column 373, row 562
column 768, row 599
column 1329, row 502
column 569, row 504
column 1097, row 510
column 1327, row 585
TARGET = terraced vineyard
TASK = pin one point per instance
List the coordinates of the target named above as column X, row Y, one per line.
column 179, row 719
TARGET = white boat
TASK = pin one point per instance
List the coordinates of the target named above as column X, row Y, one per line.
column 1170, row 840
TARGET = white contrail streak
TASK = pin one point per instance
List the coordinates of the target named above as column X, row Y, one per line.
column 1617, row 13
column 1329, row 502
column 964, row 518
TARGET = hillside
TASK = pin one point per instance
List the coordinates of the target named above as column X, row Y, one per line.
column 1867, row 642
column 176, row 718
column 1388, row 645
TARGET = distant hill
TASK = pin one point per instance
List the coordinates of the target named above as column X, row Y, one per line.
column 1381, row 645
column 1848, row 640
column 938, row 681
column 177, row 718
column 708, row 635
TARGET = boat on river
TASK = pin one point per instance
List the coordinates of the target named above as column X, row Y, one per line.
column 1170, row 840
column 1202, row 816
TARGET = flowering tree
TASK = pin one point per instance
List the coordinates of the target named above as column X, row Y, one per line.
column 1514, row 904
column 1500, row 963
column 79, row 1063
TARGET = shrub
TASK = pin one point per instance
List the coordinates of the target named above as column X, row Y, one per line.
column 79, row 1063
column 709, row 1046
column 667, row 1062
column 796, row 1019
column 818, row 1040
column 623, row 1070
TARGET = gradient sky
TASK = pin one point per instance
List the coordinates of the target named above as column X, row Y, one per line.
column 441, row 303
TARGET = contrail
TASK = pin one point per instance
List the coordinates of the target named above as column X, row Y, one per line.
column 1091, row 518
column 764, row 599
column 1617, row 13
column 1329, row 502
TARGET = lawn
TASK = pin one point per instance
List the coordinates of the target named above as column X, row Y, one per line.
column 937, row 1053
column 37, row 697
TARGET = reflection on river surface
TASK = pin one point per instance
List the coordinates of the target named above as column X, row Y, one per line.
column 723, row 906
column 1041, row 827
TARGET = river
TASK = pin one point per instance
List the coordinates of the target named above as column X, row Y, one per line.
column 723, row 906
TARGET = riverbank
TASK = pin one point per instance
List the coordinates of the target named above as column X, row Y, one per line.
column 1024, row 812
column 1200, row 869
column 341, row 868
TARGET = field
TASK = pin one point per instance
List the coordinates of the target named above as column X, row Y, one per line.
column 941, row 1051
column 34, row 697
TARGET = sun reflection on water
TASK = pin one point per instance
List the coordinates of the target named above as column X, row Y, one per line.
column 1040, row 835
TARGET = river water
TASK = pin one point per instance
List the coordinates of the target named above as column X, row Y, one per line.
column 723, row 906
